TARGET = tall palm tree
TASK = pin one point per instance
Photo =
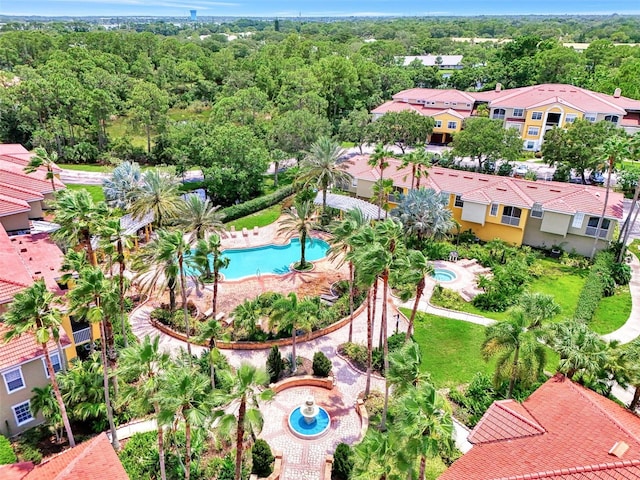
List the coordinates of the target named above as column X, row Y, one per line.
column 290, row 314
column 199, row 217
column 299, row 221
column 379, row 159
column 79, row 219
column 159, row 194
column 42, row 158
column 209, row 333
column 419, row 161
column 121, row 187
column 208, row 254
column 520, row 356
column 112, row 232
column 172, row 245
column 412, row 269
column 184, row 395
column 245, row 389
column 32, row 312
column 145, row 362
column 382, row 189
column 44, row 400
column 95, row 298
column 425, row 425
column 614, row 149
column 341, row 249
column 633, row 351
column 404, row 369
column 320, row 167
column 376, row 457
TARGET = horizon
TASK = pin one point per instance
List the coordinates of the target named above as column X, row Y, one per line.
column 311, row 8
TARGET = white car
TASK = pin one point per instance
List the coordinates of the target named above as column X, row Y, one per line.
column 520, row 171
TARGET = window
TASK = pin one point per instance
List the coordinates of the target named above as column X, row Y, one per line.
column 453, row 104
column 530, row 145
column 536, row 115
column 611, row 118
column 494, row 210
column 13, row 380
column 446, row 103
column 570, row 118
column 534, row 131
column 438, row 124
column 536, row 210
column 590, row 117
column 498, row 114
column 458, row 201
column 518, row 112
column 452, row 125
column 354, row 182
column 592, row 227
column 55, row 360
column 578, row 218
column 511, row 216
column 22, row 412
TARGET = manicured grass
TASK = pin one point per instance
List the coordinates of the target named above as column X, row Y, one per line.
column 634, row 247
column 95, row 190
column 85, row 168
column 612, row 312
column 451, row 349
column 259, row 219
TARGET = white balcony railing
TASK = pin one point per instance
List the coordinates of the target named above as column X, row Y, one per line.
column 82, row 336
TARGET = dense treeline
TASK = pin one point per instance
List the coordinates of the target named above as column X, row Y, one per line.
column 192, row 97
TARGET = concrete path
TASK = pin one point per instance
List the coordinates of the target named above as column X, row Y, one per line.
column 631, row 329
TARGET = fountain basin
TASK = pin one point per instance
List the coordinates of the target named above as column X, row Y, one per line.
column 301, row 427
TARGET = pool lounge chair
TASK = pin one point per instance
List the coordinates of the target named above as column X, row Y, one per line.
column 232, row 231
column 245, row 232
column 256, row 230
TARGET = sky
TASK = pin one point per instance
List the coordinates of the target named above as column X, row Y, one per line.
column 310, row 8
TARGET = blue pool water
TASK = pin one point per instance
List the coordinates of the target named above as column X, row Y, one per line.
column 244, row 262
column 320, row 425
column 443, row 275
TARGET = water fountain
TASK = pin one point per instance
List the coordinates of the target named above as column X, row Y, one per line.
column 309, row 420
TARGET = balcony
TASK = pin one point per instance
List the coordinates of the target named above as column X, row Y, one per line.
column 82, row 336
column 591, row 231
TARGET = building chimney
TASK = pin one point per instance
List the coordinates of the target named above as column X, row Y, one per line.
column 616, row 93
column 619, row 449
column 498, row 87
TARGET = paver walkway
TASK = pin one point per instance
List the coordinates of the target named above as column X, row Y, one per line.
column 631, row 329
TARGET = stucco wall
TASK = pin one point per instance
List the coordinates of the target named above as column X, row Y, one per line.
column 15, row 222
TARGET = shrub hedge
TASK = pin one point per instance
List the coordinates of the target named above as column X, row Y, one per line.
column 342, row 462
column 262, row 458
column 255, row 205
column 7, row 455
column 600, row 283
column 321, row 365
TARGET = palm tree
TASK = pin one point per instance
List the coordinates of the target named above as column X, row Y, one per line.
column 44, row 400
column 290, row 314
column 404, row 369
column 382, row 189
column 32, row 312
column 246, row 316
column 113, row 232
column 634, row 150
column 211, row 248
column 425, row 425
column 342, row 250
column 245, row 389
column 376, row 456
column 299, row 221
column 171, row 245
column 42, row 158
column 209, row 333
column 581, row 350
column 633, row 351
column 538, row 307
column 199, row 217
column 425, row 214
column 614, row 149
column 120, row 189
column 379, row 159
column 159, row 194
column 79, row 219
column 419, row 160
column 320, row 167
column 145, row 363
column 412, row 270
column 95, row 298
column 520, row 356
column 184, row 395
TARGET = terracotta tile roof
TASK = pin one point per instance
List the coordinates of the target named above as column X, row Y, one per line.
column 36, row 181
column 478, row 187
column 12, row 148
column 25, row 348
column 15, row 471
column 580, row 428
column 392, row 106
column 94, row 459
column 12, row 206
column 20, row 193
column 505, row 420
column 23, row 159
column 436, row 95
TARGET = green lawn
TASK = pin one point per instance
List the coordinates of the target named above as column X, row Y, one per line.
column 259, row 219
column 120, row 128
column 612, row 312
column 451, row 349
column 95, row 190
column 85, row 168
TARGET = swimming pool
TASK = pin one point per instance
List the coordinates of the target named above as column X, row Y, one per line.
column 245, row 262
column 443, row 275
